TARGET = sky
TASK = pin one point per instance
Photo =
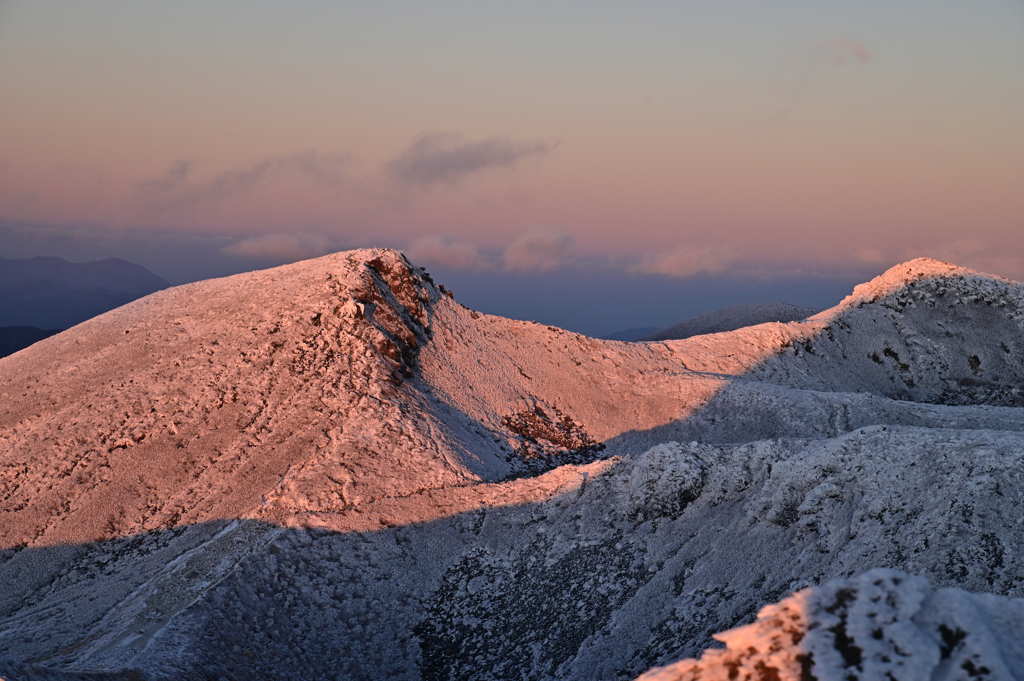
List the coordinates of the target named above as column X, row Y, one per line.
column 594, row 165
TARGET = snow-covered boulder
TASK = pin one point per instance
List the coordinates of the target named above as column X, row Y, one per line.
column 883, row 625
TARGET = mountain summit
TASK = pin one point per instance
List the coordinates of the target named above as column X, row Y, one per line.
column 332, row 469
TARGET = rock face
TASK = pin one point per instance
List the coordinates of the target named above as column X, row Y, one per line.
column 334, row 470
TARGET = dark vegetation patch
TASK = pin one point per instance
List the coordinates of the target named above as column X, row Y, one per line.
column 539, row 611
column 544, row 442
column 894, row 356
column 975, row 670
column 951, row 638
column 851, row 652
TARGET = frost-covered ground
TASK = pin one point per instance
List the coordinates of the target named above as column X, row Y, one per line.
column 334, row 470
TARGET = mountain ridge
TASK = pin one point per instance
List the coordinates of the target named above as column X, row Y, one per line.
column 193, row 480
column 113, row 274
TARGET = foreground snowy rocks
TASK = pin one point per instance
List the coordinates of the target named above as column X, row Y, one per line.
column 883, row 624
column 334, row 470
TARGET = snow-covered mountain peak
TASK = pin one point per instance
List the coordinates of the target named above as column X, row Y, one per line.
column 924, row 331
column 904, row 275
column 333, row 469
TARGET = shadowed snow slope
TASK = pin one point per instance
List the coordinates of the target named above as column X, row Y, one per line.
column 333, row 470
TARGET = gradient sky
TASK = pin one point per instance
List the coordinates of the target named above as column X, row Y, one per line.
column 671, row 140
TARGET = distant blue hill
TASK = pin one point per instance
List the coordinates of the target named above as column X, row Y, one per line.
column 732, row 318
column 15, row 338
column 631, row 334
column 52, row 293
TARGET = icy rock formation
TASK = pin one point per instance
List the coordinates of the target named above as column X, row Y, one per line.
column 883, row 625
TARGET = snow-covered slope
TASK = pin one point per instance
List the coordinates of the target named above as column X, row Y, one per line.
column 731, row 318
column 334, row 470
column 924, row 331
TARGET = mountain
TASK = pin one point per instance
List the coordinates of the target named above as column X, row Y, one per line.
column 332, row 469
column 731, row 318
column 14, row 338
column 630, row 335
column 47, row 292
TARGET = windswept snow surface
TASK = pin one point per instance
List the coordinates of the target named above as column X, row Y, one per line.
column 333, row 470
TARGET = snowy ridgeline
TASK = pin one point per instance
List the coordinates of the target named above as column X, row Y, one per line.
column 334, row 470
column 883, row 624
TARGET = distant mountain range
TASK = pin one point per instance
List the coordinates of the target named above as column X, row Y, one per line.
column 731, row 318
column 14, row 338
column 723, row 319
column 52, row 293
column 630, row 335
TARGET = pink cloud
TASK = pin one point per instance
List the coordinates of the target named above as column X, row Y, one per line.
column 447, row 158
column 539, row 249
column 178, row 191
column 684, row 262
column 279, row 247
column 842, row 50
column 446, row 253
